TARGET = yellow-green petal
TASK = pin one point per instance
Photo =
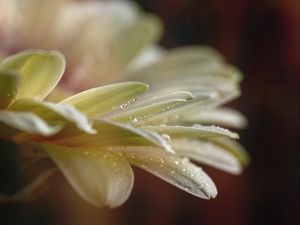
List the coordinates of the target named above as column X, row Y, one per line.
column 137, row 115
column 100, row 177
column 40, row 71
column 98, row 101
column 9, row 83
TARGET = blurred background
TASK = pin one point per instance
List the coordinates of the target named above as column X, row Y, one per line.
column 262, row 39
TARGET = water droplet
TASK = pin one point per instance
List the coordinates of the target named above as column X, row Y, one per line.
column 166, row 137
column 173, row 171
column 144, row 166
column 123, row 106
column 176, row 162
column 185, row 160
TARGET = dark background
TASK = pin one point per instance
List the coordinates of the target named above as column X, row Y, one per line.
column 262, row 39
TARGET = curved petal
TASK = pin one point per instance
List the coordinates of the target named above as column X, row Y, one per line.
column 9, row 83
column 32, row 190
column 222, row 116
column 176, row 62
column 208, row 153
column 12, row 123
column 40, row 71
column 100, row 177
column 176, row 171
column 54, row 113
column 113, row 134
column 97, row 101
column 145, row 112
column 189, row 108
column 234, row 148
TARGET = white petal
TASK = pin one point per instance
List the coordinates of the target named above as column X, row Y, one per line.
column 100, row 177
column 208, row 153
column 194, row 131
column 222, row 116
column 12, row 123
column 113, row 134
column 51, row 112
column 176, row 171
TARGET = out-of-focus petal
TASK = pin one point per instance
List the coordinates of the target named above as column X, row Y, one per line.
column 100, row 177
column 32, row 191
column 9, row 83
column 177, row 171
column 98, row 101
column 40, row 71
column 12, row 123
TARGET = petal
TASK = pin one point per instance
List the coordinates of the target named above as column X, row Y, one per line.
column 12, row 123
column 97, row 101
column 189, row 108
column 55, row 113
column 113, row 134
column 9, row 83
column 208, row 153
column 149, row 108
column 100, row 177
column 176, row 171
column 179, row 61
column 234, row 148
column 40, row 70
column 148, row 56
column 196, row 131
column 145, row 30
column 106, row 36
column 222, row 116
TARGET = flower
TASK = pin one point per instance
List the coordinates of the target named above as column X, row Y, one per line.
column 99, row 38
column 111, row 41
column 94, row 135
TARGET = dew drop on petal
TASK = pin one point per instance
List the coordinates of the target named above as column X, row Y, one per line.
column 166, row 137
